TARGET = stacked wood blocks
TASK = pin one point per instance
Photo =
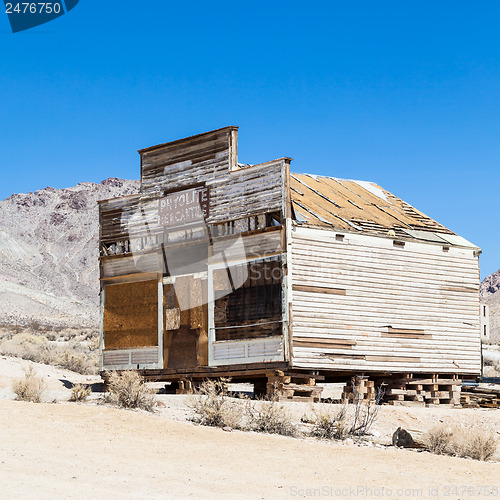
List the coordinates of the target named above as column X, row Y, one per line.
column 293, row 387
column 186, row 386
column 359, row 389
column 423, row 392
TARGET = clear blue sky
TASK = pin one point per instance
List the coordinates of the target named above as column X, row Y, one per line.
column 403, row 93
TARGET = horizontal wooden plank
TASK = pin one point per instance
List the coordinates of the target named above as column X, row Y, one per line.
column 431, row 353
column 392, row 359
column 323, row 239
column 406, row 335
column 412, row 331
column 370, row 336
column 318, row 289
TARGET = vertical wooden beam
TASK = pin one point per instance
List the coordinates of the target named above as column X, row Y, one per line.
column 101, row 327
column 160, row 322
column 287, row 292
column 233, row 149
column 286, row 259
column 211, row 322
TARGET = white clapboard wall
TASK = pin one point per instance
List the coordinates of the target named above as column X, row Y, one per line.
column 362, row 303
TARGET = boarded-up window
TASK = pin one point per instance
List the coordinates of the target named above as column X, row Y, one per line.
column 248, row 300
column 131, row 315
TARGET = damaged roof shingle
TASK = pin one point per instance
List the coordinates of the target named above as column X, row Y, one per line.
column 347, row 204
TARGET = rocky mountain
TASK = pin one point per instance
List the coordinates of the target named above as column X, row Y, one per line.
column 490, row 295
column 48, row 254
column 491, row 284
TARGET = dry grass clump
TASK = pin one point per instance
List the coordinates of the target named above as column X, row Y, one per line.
column 67, row 352
column 76, row 361
column 128, row 390
column 215, row 407
column 438, row 440
column 331, row 425
column 212, row 406
column 80, row 393
column 31, row 388
column 271, row 418
column 476, row 443
column 345, row 423
column 491, row 361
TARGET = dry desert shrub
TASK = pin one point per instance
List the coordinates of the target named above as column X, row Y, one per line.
column 30, row 388
column 80, row 393
column 76, row 361
column 476, row 443
column 73, row 355
column 365, row 413
column 212, row 406
column 438, row 440
column 350, row 420
column 128, row 390
column 34, row 348
column 331, row 425
column 272, row 418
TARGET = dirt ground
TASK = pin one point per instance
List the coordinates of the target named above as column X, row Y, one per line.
column 69, row 450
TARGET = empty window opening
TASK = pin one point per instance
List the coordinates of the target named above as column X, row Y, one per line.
column 249, row 303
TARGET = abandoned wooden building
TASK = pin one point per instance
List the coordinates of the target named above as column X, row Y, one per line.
column 249, row 271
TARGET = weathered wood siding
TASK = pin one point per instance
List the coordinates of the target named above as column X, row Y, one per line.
column 133, row 264
column 209, row 160
column 250, row 191
column 246, row 247
column 190, row 161
column 363, row 304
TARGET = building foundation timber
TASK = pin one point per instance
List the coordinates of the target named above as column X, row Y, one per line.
column 218, row 269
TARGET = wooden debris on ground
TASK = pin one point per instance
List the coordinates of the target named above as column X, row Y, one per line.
column 409, row 391
column 480, row 397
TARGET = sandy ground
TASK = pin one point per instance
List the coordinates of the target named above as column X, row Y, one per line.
column 69, row 450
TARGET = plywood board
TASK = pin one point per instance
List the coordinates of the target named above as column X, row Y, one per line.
column 131, row 315
column 172, row 320
column 183, row 349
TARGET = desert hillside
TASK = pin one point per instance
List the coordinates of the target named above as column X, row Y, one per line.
column 490, row 295
column 48, row 254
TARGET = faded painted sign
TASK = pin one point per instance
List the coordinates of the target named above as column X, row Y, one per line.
column 184, row 207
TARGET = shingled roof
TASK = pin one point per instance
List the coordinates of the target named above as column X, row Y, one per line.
column 364, row 207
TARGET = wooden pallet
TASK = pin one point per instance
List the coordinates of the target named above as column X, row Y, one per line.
column 411, row 391
column 294, row 387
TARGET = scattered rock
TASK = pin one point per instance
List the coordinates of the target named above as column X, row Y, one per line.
column 404, row 439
